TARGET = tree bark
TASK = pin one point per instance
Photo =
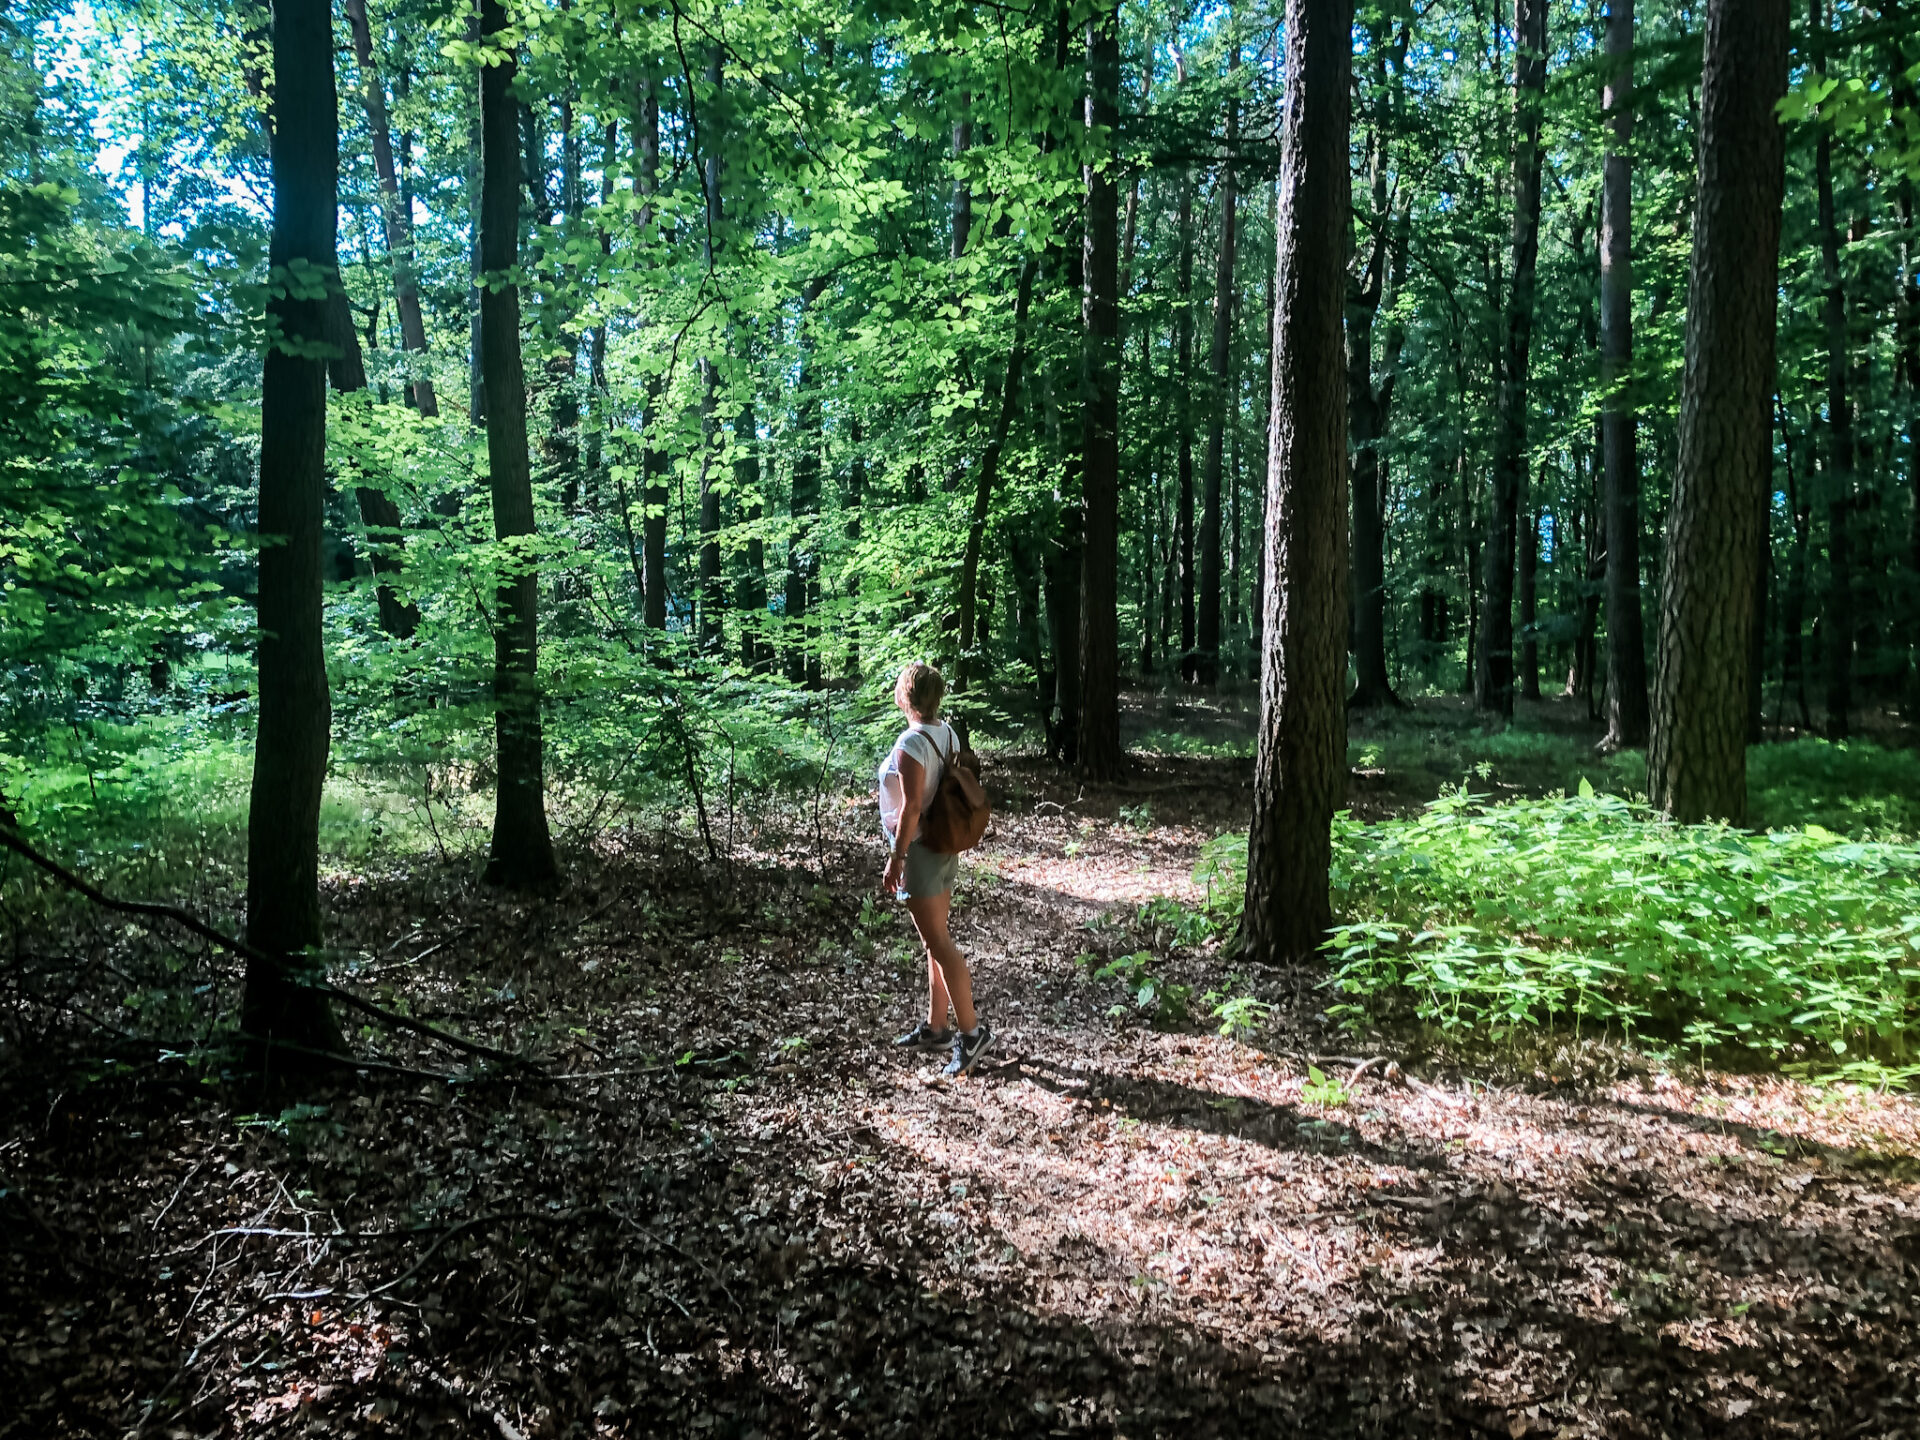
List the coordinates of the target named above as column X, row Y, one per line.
column 990, row 470
column 654, row 464
column 291, row 740
column 1369, row 407
column 755, row 653
column 1527, row 580
column 476, row 382
column 713, row 598
column 395, row 220
column 1493, row 679
column 1299, row 773
column 1793, row 670
column 1219, row 398
column 1100, row 757
column 1183, row 423
column 522, row 851
column 1619, row 421
column 1838, row 620
column 803, row 565
column 386, row 541
column 1696, row 764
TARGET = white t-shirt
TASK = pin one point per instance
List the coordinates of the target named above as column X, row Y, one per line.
column 928, row 744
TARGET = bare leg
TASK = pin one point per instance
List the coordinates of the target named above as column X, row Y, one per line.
column 938, row 1001
column 930, row 919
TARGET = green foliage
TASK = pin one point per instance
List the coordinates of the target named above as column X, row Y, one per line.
column 1589, row 910
column 1323, row 1089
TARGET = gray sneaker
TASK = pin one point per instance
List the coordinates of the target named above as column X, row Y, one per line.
column 924, row 1037
column 969, row 1048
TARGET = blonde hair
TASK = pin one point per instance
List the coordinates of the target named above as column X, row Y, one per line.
column 919, row 691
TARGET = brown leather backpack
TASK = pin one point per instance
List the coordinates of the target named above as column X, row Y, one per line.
column 959, row 814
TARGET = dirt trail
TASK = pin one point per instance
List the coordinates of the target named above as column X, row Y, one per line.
column 761, row 1220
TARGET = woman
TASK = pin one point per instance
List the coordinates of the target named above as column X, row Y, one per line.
column 909, row 777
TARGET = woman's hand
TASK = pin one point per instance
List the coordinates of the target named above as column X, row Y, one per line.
column 895, row 872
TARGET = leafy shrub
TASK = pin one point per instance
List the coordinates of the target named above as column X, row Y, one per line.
column 1590, row 909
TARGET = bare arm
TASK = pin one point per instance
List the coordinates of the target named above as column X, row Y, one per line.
column 913, row 784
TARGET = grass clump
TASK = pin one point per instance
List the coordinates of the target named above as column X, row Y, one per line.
column 1590, row 910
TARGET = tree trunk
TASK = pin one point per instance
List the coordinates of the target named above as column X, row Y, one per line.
column 291, row 740
column 990, row 470
column 522, row 852
column 476, row 383
column 1838, row 622
column 1793, row 609
column 1220, row 362
column 1493, row 680
column 386, row 541
column 654, row 463
column 1183, row 424
column 1299, row 774
column 803, row 565
column 713, row 599
column 395, row 219
column 1369, row 407
column 1528, row 580
column 1619, row 421
column 1696, row 764
column 1100, row 753
column 755, row 652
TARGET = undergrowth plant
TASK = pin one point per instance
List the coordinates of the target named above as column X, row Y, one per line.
column 1589, row 911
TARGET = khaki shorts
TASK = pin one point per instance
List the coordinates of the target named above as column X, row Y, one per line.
column 928, row 873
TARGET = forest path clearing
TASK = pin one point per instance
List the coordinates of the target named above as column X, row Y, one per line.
column 762, row 1219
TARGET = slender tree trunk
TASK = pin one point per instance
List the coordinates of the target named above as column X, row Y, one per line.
column 1493, row 680
column 599, row 392
column 522, row 852
column 476, row 384
column 1219, row 398
column 990, row 470
column 1299, row 773
column 291, row 740
column 1838, row 621
column 1909, row 333
column 803, row 565
column 1793, row 667
column 1528, row 580
column 386, row 541
column 1183, row 425
column 397, row 222
column 1696, row 764
column 1369, row 406
column 654, row 463
column 1101, row 757
column 1626, row 639
column 713, row 597
column 755, row 652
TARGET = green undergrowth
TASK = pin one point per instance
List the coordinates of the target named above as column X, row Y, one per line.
column 1590, row 912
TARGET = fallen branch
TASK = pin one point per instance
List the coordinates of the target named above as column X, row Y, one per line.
column 11, row 839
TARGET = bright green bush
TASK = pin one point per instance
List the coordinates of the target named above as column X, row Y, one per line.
column 1590, row 910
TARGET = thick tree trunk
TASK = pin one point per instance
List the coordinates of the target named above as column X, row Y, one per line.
column 291, row 739
column 1299, row 774
column 1100, row 753
column 397, row 223
column 1619, row 421
column 1493, row 680
column 386, row 541
column 1838, row 621
column 522, row 851
column 990, row 471
column 1219, row 399
column 1696, row 764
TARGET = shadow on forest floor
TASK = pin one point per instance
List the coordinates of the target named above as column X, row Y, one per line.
column 746, row 1213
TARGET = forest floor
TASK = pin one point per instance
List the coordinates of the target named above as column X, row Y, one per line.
column 741, row 1212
